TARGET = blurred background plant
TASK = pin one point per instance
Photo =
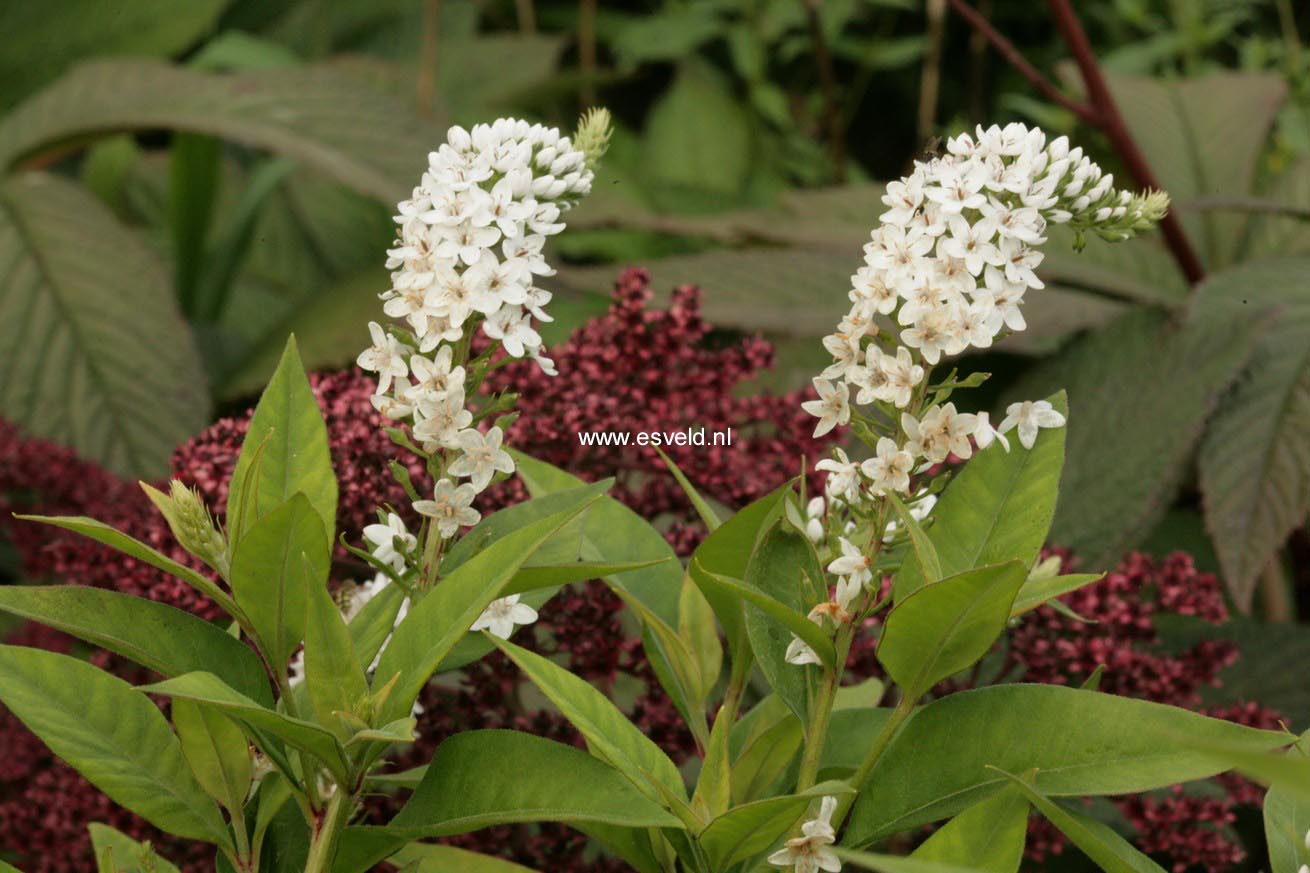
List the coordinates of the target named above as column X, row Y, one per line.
column 181, row 185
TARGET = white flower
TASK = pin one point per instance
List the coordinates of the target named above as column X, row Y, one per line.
column 832, row 408
column 384, row 357
column 1028, row 416
column 889, row 469
column 853, row 571
column 800, row 653
column 441, row 419
column 984, row 434
column 902, row 376
column 391, row 541
column 500, row 616
column 482, row 457
column 843, row 482
column 450, row 507
column 809, row 853
column 941, row 432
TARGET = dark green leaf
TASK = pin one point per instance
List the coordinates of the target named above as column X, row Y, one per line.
column 217, row 752
column 988, row 836
column 334, row 675
column 116, row 852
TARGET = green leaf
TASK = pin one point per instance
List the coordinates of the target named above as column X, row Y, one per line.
column 726, row 552
column 1285, row 815
column 46, row 40
column 116, row 852
column 1076, row 739
column 155, row 635
column 1111, row 852
column 321, row 116
column 899, row 863
column 1157, row 381
column 697, row 136
column 95, row 357
column 747, row 830
column 609, row 734
column 372, row 625
column 288, row 424
column 987, row 836
column 425, row 858
column 765, row 742
column 481, row 778
column 813, row 635
column 783, row 567
column 713, row 794
column 945, row 627
column 1232, row 113
column 217, row 752
column 112, row 735
column 926, row 562
column 998, row 508
column 538, row 576
column 441, row 618
column 1254, row 459
column 334, row 675
column 269, row 575
column 703, row 509
column 1035, row 592
column 700, row 635
column 208, row 690
column 1281, row 769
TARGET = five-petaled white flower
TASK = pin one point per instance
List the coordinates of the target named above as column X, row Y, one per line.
column 450, row 507
column 482, row 457
column 889, row 469
column 391, row 541
column 832, row 408
column 500, row 616
column 809, row 853
column 1027, row 417
column 853, row 572
column 384, row 357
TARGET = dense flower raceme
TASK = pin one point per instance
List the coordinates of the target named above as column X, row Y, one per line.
column 949, row 265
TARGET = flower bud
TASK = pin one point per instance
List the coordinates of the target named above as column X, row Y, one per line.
column 191, row 523
column 593, row 135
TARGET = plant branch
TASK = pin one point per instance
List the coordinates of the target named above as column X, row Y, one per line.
column 1021, row 64
column 890, row 729
column 832, row 113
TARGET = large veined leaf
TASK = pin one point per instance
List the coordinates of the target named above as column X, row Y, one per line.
column 41, row 40
column 1282, row 235
column 1140, row 391
column 1141, row 270
column 998, row 508
column 155, row 635
column 482, row 778
column 697, row 135
column 1203, row 138
column 1255, row 456
column 1083, row 743
column 323, row 117
column 112, row 735
column 93, row 349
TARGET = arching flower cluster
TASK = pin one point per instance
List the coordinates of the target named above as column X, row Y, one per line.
column 467, row 256
column 947, row 268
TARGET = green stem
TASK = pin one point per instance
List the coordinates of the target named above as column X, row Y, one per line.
column 889, row 731
column 323, row 849
column 817, row 735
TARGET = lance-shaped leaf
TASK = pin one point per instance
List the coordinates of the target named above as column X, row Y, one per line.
column 217, row 751
column 1111, row 852
column 372, row 625
column 288, row 433
column 702, row 506
column 334, row 676
column 783, row 567
column 426, row 858
column 925, row 553
column 753, row 828
column 441, row 618
column 116, row 852
column 813, row 635
column 206, row 689
column 609, row 734
column 1286, row 812
column 269, row 574
column 899, row 863
column 538, row 576
column 945, row 627
column 997, row 508
column 483, row 778
column 103, row 533
column 988, row 836
column 1076, row 739
column 112, row 735
column 155, row 635
column 1035, row 592
column 94, row 351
